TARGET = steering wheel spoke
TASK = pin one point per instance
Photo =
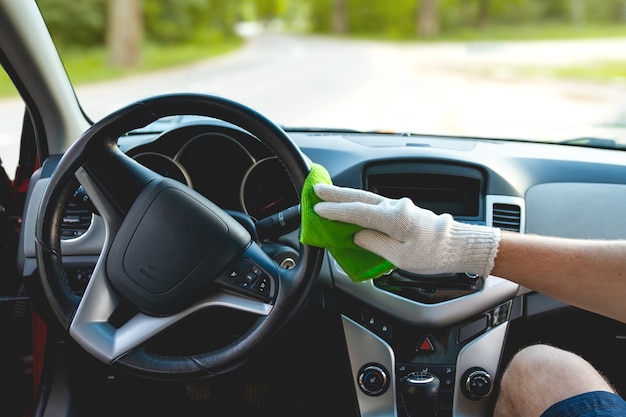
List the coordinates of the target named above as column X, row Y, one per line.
column 104, row 206
column 96, row 327
column 114, row 181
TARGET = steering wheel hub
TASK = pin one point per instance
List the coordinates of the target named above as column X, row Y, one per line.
column 171, row 244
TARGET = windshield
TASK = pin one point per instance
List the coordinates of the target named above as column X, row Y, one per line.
column 528, row 69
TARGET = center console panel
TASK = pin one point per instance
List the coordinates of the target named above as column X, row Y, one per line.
column 409, row 370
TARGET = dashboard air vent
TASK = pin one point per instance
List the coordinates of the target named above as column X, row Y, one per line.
column 507, row 216
column 77, row 216
column 76, row 221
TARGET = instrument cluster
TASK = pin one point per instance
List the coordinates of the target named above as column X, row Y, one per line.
column 227, row 165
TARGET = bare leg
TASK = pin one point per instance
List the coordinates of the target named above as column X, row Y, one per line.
column 539, row 376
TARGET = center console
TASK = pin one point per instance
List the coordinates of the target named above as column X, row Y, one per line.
column 410, row 370
column 430, row 345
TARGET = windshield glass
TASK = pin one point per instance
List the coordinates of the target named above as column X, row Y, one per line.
column 528, row 69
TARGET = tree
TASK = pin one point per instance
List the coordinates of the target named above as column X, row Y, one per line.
column 75, row 23
column 578, row 12
column 482, row 13
column 428, row 18
column 340, row 17
column 124, row 32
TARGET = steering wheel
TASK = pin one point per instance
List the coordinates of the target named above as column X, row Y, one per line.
column 168, row 252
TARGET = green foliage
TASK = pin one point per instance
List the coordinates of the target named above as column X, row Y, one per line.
column 320, row 15
column 78, row 23
column 267, row 10
column 184, row 21
column 174, row 21
column 606, row 11
column 83, row 23
column 397, row 18
column 377, row 17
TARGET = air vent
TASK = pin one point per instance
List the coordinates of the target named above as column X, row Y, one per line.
column 507, row 216
column 76, row 221
column 77, row 216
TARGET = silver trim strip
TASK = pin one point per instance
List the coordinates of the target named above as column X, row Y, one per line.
column 484, row 352
column 495, row 291
column 90, row 243
column 365, row 347
column 490, row 200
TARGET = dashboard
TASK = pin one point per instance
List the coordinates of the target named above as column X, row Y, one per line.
column 400, row 325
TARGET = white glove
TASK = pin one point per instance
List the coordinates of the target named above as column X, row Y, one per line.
column 413, row 239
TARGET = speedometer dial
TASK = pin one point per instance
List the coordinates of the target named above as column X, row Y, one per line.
column 267, row 189
column 163, row 165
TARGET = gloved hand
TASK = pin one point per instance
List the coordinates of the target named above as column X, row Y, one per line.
column 413, row 239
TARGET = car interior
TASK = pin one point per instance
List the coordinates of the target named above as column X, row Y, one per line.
column 151, row 261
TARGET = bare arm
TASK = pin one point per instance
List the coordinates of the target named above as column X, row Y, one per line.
column 585, row 273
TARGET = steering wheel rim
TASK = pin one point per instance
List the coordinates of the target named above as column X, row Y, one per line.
column 95, row 162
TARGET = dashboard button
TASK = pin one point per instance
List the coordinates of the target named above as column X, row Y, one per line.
column 425, row 345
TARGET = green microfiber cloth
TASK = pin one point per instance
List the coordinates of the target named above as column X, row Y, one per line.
column 337, row 237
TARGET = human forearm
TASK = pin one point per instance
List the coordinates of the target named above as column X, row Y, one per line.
column 585, row 273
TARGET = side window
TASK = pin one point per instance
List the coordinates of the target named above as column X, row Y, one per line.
column 11, row 116
column 11, row 123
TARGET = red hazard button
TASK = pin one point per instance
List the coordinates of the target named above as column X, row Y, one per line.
column 425, row 345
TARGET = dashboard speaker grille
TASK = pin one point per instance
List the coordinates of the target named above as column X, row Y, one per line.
column 507, row 216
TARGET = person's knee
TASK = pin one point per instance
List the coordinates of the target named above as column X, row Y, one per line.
column 541, row 375
column 556, row 368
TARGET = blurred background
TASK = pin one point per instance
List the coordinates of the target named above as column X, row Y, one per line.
column 550, row 70
column 127, row 29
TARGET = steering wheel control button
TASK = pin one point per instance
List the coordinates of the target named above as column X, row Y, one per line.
column 264, row 285
column 235, row 273
column 248, row 277
column 373, row 379
column 477, row 384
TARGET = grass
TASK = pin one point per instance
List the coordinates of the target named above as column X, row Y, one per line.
column 605, row 71
column 89, row 65
column 6, row 87
column 537, row 32
column 597, row 71
column 613, row 71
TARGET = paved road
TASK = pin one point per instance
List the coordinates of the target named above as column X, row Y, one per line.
column 449, row 88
